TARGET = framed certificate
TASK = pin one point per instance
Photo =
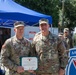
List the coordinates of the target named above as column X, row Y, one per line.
column 29, row 63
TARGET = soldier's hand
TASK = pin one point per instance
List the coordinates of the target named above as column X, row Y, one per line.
column 32, row 71
column 61, row 72
column 20, row 69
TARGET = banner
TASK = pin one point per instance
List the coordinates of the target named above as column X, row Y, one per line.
column 71, row 67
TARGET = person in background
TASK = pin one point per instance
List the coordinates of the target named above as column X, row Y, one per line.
column 68, row 38
column 14, row 48
column 65, row 44
column 49, row 50
column 62, row 38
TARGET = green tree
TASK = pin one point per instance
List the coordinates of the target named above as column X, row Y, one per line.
column 69, row 13
column 54, row 9
column 48, row 7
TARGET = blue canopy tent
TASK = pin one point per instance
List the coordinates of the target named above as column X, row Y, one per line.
column 10, row 10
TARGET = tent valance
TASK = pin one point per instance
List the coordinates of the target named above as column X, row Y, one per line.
column 10, row 10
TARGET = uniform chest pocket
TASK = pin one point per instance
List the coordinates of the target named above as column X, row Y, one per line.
column 25, row 51
column 17, row 49
column 53, row 44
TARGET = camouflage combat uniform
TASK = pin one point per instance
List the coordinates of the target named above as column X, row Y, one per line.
column 50, row 51
column 11, row 52
column 69, row 41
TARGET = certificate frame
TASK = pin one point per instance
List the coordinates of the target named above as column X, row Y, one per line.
column 29, row 63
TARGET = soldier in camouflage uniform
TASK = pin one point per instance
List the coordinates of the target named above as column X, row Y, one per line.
column 14, row 48
column 62, row 38
column 48, row 47
column 68, row 38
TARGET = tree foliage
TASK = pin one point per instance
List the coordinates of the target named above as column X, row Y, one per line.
column 48, row 7
column 70, row 14
column 52, row 8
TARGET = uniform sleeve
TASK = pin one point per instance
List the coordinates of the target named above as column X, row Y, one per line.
column 33, row 47
column 5, row 56
column 31, row 53
column 63, row 57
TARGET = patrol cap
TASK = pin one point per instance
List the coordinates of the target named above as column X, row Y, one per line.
column 18, row 24
column 66, row 30
column 43, row 20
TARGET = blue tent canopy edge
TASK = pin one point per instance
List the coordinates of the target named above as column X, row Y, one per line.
column 10, row 10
